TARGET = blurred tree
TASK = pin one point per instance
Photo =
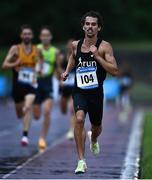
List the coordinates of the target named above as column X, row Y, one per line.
column 123, row 19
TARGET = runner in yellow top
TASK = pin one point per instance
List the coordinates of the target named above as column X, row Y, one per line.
column 45, row 86
column 22, row 59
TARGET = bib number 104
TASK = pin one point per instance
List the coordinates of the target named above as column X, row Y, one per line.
column 87, row 79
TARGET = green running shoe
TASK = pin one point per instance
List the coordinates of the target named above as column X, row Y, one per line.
column 81, row 167
column 94, row 147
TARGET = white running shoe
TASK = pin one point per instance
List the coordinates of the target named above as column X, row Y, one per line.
column 81, row 167
column 24, row 141
column 94, row 147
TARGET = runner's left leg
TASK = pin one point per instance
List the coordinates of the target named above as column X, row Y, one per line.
column 48, row 103
column 96, row 131
column 95, row 111
column 27, row 109
column 47, row 115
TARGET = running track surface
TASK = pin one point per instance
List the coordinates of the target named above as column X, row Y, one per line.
column 59, row 161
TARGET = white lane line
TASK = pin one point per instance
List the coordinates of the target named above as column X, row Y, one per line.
column 57, row 142
column 130, row 169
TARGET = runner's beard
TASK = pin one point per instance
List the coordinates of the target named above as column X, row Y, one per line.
column 27, row 41
column 90, row 36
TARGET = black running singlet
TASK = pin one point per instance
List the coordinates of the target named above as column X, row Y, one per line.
column 89, row 73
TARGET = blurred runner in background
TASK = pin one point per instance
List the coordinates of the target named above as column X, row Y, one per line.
column 126, row 83
column 45, row 85
column 66, row 88
column 22, row 58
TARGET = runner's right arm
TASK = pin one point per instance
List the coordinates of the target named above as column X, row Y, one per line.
column 71, row 62
column 11, row 59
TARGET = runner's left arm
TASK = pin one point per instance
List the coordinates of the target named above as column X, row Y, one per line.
column 39, row 61
column 108, row 62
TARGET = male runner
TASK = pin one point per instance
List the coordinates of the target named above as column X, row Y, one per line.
column 92, row 58
column 21, row 59
column 66, row 88
column 44, row 92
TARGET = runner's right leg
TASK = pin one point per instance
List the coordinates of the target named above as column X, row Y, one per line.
column 79, row 133
column 80, row 137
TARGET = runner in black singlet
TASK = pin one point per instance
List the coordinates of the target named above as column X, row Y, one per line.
column 92, row 58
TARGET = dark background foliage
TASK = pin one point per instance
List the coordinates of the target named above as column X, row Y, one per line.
column 123, row 19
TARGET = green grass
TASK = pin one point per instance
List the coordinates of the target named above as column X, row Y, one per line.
column 146, row 160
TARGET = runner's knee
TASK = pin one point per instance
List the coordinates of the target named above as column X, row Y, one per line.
column 79, row 119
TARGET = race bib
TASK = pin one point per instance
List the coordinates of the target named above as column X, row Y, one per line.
column 70, row 80
column 27, row 76
column 43, row 68
column 87, row 78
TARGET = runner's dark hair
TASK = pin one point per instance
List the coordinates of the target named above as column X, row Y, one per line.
column 25, row 26
column 94, row 14
column 46, row 27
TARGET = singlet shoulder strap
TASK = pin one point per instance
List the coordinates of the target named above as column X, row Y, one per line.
column 99, row 40
column 19, row 47
column 79, row 46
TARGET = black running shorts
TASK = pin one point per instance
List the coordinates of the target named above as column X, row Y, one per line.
column 91, row 103
column 19, row 91
column 44, row 90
